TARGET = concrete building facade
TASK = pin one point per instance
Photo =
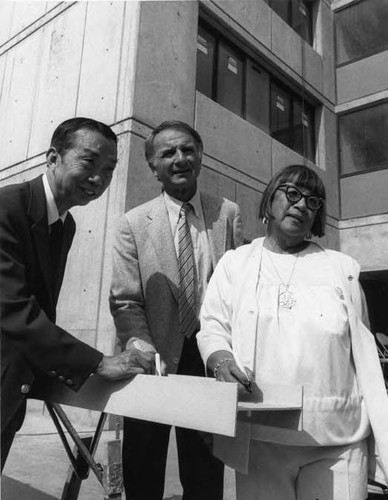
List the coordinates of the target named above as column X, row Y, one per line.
column 259, row 83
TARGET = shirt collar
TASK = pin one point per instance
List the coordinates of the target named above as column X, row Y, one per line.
column 174, row 205
column 52, row 210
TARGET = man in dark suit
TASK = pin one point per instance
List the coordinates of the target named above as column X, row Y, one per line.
column 36, row 232
column 164, row 254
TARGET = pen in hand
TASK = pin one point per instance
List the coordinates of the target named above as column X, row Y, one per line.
column 248, row 383
column 158, row 369
column 248, row 386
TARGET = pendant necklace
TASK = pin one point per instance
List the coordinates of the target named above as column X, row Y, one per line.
column 286, row 298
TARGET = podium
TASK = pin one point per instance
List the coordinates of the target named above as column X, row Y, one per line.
column 179, row 400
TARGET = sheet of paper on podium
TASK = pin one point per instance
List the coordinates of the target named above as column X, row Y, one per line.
column 192, row 402
column 272, row 397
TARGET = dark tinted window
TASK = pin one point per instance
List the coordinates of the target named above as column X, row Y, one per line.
column 280, row 115
column 205, row 61
column 226, row 74
column 364, row 139
column 296, row 13
column 257, row 92
column 303, row 128
column 230, row 79
column 361, row 30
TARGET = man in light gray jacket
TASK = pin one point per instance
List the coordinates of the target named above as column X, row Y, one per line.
column 164, row 254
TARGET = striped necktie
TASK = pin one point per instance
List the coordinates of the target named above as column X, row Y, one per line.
column 188, row 321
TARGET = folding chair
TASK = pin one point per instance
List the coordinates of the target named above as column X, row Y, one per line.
column 376, row 490
column 382, row 349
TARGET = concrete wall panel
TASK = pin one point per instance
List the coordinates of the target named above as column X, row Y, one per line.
column 367, row 244
column 312, row 67
column 141, row 185
column 80, row 292
column 326, row 48
column 249, row 201
column 331, row 238
column 100, row 61
column 286, row 43
column 125, row 90
column 24, row 14
column 58, row 78
column 6, row 15
column 166, row 69
column 217, row 184
column 17, row 99
column 3, row 61
column 364, row 194
column 362, row 78
column 327, row 159
column 232, row 140
column 254, row 17
column 282, row 156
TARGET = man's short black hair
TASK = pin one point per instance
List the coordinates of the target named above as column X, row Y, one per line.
column 168, row 125
column 63, row 136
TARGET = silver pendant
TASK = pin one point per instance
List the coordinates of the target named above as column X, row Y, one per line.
column 287, row 299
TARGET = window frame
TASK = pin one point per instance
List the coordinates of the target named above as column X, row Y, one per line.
column 249, row 57
column 309, row 6
column 354, row 59
column 347, row 113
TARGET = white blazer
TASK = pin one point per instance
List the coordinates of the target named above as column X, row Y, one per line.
column 231, row 300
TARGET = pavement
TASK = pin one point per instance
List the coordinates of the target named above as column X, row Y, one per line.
column 37, row 466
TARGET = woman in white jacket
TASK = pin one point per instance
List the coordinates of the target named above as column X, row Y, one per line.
column 283, row 310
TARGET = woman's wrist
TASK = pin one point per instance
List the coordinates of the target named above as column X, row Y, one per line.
column 217, row 359
column 220, row 363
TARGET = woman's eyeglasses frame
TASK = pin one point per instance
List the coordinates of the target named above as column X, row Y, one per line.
column 312, row 202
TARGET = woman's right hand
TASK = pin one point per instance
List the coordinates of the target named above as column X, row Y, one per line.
column 225, row 369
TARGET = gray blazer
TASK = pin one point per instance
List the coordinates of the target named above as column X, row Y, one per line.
column 145, row 282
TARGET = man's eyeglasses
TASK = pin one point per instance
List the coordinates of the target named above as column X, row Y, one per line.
column 293, row 195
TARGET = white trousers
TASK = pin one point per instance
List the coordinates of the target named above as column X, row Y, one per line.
column 278, row 472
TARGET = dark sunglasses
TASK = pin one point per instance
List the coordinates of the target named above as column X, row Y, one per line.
column 293, row 195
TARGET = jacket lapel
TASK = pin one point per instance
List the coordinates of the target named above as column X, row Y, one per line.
column 39, row 228
column 37, row 212
column 159, row 231
column 68, row 234
column 215, row 227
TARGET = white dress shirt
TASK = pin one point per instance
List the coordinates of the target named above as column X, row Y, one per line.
column 52, row 210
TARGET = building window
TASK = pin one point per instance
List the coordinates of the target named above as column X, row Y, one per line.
column 239, row 83
column 296, row 13
column 364, row 139
column 361, row 30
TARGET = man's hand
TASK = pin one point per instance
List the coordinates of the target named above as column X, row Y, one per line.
column 125, row 365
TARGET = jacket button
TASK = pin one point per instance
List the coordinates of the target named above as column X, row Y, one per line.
column 175, row 361
column 52, row 373
column 25, row 389
column 61, row 378
column 69, row 382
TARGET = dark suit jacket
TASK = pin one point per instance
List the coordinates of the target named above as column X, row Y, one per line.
column 145, row 282
column 31, row 343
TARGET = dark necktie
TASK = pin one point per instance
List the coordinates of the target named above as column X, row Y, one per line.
column 187, row 275
column 56, row 240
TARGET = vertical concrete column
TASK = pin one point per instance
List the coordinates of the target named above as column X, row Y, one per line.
column 166, row 62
